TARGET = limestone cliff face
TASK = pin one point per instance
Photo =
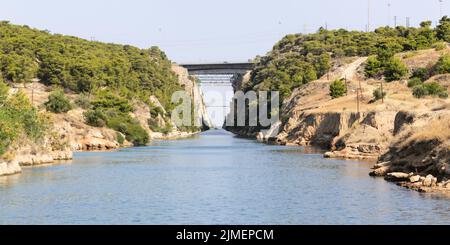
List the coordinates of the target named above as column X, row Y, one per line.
column 191, row 86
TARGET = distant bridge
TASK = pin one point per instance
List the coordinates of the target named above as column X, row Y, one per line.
column 218, row 75
column 219, row 68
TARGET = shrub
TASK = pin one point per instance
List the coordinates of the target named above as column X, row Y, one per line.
column 4, row 89
column 443, row 65
column 107, row 100
column 420, row 91
column 421, row 73
column 338, row 89
column 19, row 120
column 395, row 70
column 120, row 138
column 130, row 127
column 443, row 95
column 95, row 118
column 414, row 82
column 433, row 89
column 373, row 67
column 58, row 102
column 439, row 46
column 378, row 95
column 155, row 111
column 83, row 101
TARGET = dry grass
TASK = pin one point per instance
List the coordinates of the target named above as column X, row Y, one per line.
column 436, row 129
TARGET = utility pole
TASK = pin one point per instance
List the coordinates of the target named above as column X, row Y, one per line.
column 440, row 8
column 407, row 22
column 389, row 14
column 346, row 86
column 395, row 21
column 368, row 15
column 382, row 92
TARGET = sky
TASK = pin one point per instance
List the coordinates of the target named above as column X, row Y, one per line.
column 201, row 31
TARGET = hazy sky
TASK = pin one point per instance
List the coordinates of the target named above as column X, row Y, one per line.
column 208, row 30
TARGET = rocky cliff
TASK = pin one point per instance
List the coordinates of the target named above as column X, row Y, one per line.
column 407, row 136
column 70, row 133
column 191, row 86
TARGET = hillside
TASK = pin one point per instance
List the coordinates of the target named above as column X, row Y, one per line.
column 61, row 94
column 393, row 83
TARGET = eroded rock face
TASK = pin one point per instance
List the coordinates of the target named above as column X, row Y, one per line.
column 194, row 90
column 422, row 148
column 9, row 168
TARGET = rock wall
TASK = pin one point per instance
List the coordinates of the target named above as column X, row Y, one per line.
column 191, row 86
column 419, row 157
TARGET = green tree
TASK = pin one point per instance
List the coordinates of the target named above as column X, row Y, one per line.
column 395, row 70
column 338, row 89
column 443, row 29
column 373, row 67
column 58, row 102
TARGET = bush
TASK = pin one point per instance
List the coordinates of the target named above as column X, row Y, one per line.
column 439, row 46
column 58, row 102
column 130, row 127
column 155, row 111
column 19, row 120
column 107, row 100
column 373, row 67
column 443, row 95
column 395, row 70
column 443, row 65
column 4, row 89
column 414, row 82
column 378, row 95
column 120, row 138
column 83, row 101
column 338, row 89
column 420, row 91
column 95, row 118
column 421, row 73
column 433, row 89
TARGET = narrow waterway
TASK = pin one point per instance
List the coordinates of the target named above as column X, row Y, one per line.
column 213, row 178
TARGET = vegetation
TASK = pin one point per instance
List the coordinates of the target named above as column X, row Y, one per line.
column 85, row 66
column 58, row 102
column 83, row 101
column 300, row 58
column 443, row 65
column 378, row 94
column 415, row 81
column 113, row 111
column 431, row 89
column 18, row 119
column 338, row 89
column 394, row 70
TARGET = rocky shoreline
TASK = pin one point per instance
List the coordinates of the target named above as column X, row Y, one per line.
column 70, row 134
column 406, row 137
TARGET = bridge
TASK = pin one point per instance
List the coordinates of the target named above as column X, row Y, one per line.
column 218, row 74
column 218, row 68
column 221, row 75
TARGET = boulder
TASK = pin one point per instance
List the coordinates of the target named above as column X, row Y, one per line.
column 397, row 176
column 429, row 181
column 414, row 179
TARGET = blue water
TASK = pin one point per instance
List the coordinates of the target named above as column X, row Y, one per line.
column 213, row 178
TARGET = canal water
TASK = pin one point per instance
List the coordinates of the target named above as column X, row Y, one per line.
column 213, row 178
